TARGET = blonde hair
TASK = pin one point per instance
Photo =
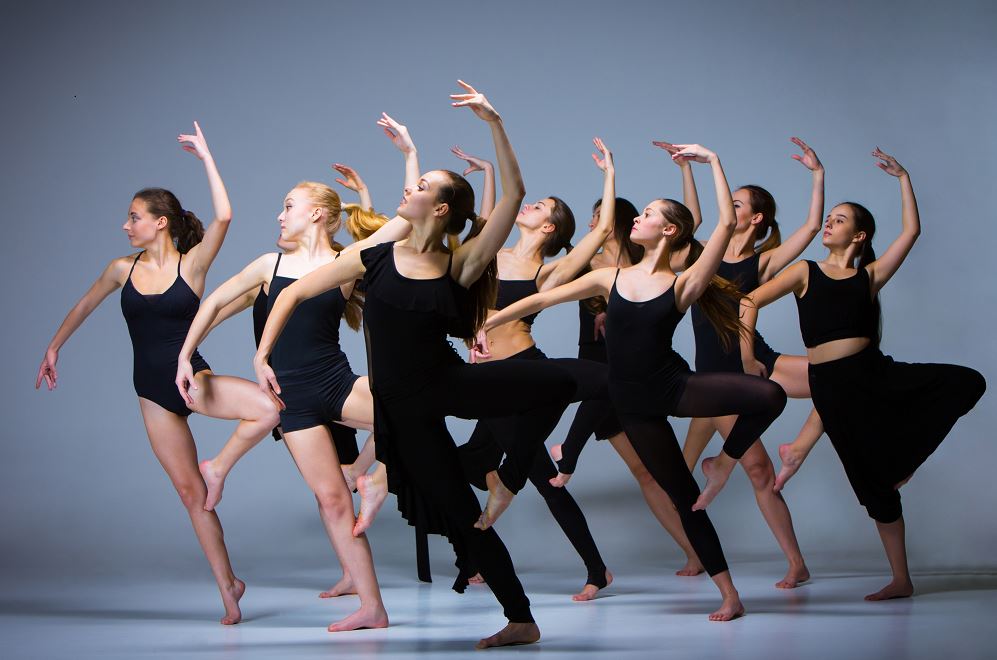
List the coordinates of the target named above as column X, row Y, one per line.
column 361, row 222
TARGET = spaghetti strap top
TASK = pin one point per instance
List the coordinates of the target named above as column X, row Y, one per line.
column 511, row 291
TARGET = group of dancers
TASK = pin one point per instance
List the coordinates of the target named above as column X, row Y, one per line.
column 413, row 282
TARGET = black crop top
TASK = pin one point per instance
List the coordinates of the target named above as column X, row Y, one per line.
column 836, row 309
column 511, row 291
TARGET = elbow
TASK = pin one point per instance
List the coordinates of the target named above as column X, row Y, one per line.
column 225, row 217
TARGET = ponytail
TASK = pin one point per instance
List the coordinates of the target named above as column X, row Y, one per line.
column 762, row 201
column 185, row 228
column 361, row 222
column 564, row 228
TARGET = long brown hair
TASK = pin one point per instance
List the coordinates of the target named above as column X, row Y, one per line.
column 762, row 201
column 185, row 228
column 623, row 223
column 721, row 299
column 458, row 194
column 564, row 228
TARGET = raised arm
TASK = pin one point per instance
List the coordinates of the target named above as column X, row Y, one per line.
column 399, row 136
column 774, row 260
column 691, row 284
column 471, row 258
column 567, row 267
column 201, row 255
column 596, row 283
column 792, row 279
column 475, row 164
column 109, row 280
column 882, row 269
column 690, row 197
column 352, row 180
column 346, row 268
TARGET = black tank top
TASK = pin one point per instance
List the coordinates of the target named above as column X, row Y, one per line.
column 510, row 291
column 310, row 339
column 259, row 315
column 836, row 309
column 406, row 322
column 710, row 355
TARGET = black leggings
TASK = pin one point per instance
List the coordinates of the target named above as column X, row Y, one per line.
column 490, row 439
column 424, row 470
column 593, row 417
column 756, row 402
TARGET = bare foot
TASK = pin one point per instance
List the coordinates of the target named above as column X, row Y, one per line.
column 373, row 492
column 499, row 499
column 511, row 635
column 351, row 480
column 373, row 617
column 590, row 590
column 342, row 588
column 560, row 481
column 716, row 478
column 729, row 610
column 230, row 597
column 692, row 568
column 796, row 576
column 791, row 462
column 895, row 589
column 215, row 481
column 476, row 579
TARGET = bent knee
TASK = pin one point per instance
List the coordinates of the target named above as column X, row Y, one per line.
column 335, row 502
column 191, row 495
column 761, row 474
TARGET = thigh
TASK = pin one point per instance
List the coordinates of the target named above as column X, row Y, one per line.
column 791, row 373
column 503, row 388
column 229, row 397
column 720, row 394
column 172, row 443
column 315, row 455
column 358, row 409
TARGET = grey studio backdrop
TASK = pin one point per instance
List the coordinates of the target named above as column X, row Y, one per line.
column 95, row 94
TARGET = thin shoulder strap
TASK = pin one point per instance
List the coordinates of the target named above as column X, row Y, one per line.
column 178, row 264
column 137, row 256
column 616, row 276
column 276, row 265
column 535, row 276
column 449, row 261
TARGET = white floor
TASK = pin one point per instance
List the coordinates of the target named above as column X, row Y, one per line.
column 645, row 613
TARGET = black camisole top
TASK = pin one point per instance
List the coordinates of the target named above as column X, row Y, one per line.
column 836, row 309
column 511, row 291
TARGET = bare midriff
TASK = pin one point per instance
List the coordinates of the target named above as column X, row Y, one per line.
column 508, row 339
column 837, row 349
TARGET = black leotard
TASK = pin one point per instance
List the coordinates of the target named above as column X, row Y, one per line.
column 158, row 325
column 313, row 372
column 710, row 353
column 510, row 291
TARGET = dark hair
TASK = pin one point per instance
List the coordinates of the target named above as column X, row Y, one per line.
column 623, row 224
column 763, row 202
column 458, row 194
column 865, row 222
column 564, row 228
column 721, row 299
column 184, row 226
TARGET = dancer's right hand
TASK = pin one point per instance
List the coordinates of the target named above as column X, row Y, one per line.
column 605, row 162
column 696, row 152
column 47, row 370
column 599, row 326
column 753, row 367
column 672, row 150
column 397, row 133
column 185, row 380
column 480, row 351
column 352, row 180
column 474, row 164
column 267, row 380
column 476, row 101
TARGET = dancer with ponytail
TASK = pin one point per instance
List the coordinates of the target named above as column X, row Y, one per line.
column 417, row 292
column 176, row 254
column 545, row 228
column 649, row 381
column 884, row 418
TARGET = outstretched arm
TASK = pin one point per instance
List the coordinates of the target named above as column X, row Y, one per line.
column 243, row 302
column 471, row 258
column 772, row 261
column 202, row 254
column 346, row 268
column 109, row 280
column 792, row 279
column 475, row 164
column 690, row 197
column 882, row 269
column 596, row 283
column 691, row 284
column 567, row 267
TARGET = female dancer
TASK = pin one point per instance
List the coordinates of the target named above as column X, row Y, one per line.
column 884, row 418
column 157, row 322
column 545, row 229
column 417, row 292
column 320, row 387
column 649, row 381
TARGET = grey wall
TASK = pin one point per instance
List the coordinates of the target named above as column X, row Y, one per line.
column 95, row 94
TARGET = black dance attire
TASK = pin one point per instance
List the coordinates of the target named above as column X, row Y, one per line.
column 417, row 379
column 158, row 325
column 648, row 381
column 314, row 374
column 483, row 451
column 710, row 352
column 884, row 418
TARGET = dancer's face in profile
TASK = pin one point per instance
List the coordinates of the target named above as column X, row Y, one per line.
column 651, row 226
column 298, row 214
column 839, row 228
column 141, row 226
column 420, row 201
column 536, row 215
column 745, row 215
